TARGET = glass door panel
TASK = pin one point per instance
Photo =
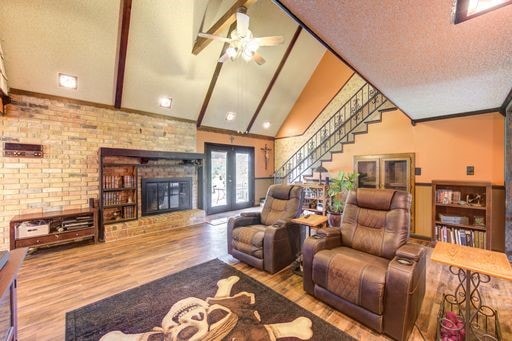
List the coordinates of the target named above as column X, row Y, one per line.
column 396, row 174
column 229, row 177
column 219, row 173
column 242, row 178
column 368, row 174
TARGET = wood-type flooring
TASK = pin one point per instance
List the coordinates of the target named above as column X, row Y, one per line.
column 54, row 281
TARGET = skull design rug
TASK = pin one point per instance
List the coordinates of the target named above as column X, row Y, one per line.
column 210, row 301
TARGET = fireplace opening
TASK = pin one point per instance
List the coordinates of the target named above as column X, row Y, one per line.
column 162, row 195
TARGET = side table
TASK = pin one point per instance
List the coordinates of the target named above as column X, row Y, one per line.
column 473, row 266
column 313, row 221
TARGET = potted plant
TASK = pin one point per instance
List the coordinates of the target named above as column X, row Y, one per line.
column 338, row 189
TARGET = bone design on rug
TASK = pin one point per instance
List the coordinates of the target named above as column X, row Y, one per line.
column 210, row 301
column 195, row 319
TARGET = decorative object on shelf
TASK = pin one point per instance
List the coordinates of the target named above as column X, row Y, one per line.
column 474, row 199
column 338, row 189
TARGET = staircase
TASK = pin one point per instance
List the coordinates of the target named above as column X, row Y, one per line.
column 363, row 108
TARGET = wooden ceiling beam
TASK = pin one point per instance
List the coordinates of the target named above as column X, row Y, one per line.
column 126, row 9
column 213, row 82
column 227, row 19
column 274, row 78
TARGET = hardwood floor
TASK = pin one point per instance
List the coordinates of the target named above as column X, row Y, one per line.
column 54, row 281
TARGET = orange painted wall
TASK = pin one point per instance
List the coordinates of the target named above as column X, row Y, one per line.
column 443, row 148
column 259, row 162
column 327, row 79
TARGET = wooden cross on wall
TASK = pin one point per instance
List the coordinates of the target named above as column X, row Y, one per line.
column 266, row 150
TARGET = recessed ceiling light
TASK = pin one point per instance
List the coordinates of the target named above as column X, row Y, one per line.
column 230, row 116
column 165, row 102
column 266, row 124
column 68, row 81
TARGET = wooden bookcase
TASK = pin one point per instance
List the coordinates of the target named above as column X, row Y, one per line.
column 315, row 198
column 62, row 227
column 461, row 213
column 118, row 197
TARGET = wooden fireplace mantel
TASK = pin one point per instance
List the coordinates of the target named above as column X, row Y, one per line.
column 151, row 154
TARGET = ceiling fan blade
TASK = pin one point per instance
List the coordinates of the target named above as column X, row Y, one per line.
column 211, row 36
column 242, row 24
column 223, row 58
column 258, row 58
column 270, row 41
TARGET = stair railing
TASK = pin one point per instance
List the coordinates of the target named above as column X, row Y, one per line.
column 332, row 132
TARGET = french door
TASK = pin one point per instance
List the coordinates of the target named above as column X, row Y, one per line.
column 229, row 177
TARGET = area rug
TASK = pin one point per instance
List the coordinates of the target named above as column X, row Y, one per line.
column 210, row 301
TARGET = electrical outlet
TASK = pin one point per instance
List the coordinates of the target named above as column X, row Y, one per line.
column 470, row 170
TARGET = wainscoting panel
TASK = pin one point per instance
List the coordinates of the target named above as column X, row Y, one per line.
column 423, row 213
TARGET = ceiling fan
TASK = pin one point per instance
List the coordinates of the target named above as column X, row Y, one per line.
column 242, row 43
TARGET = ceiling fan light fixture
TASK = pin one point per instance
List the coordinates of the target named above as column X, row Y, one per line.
column 252, row 45
column 247, row 55
column 231, row 52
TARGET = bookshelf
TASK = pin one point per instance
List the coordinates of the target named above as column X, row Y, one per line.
column 315, row 198
column 119, row 193
column 461, row 213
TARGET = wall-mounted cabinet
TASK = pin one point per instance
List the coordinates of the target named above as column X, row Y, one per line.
column 390, row 171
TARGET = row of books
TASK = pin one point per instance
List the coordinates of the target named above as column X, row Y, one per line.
column 118, row 181
column 77, row 223
column 129, row 212
column 460, row 236
column 116, row 198
column 447, row 196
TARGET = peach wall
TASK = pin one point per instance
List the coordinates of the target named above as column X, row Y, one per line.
column 327, row 79
column 257, row 143
column 443, row 148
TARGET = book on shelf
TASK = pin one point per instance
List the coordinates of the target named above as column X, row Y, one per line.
column 448, row 196
column 460, row 236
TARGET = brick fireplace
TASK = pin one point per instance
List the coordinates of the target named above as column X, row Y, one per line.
column 167, row 191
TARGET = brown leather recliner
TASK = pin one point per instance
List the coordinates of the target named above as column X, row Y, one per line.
column 268, row 240
column 366, row 269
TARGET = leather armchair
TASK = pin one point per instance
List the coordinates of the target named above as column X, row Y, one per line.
column 366, row 268
column 268, row 240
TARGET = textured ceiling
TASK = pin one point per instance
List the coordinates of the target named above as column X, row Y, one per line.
column 42, row 38
column 415, row 55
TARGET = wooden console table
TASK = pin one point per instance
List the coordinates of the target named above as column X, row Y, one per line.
column 64, row 226
column 8, row 317
column 472, row 266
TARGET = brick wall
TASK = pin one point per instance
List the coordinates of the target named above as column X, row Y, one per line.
column 71, row 134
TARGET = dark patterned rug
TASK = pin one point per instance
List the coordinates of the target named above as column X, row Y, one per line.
column 210, row 301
